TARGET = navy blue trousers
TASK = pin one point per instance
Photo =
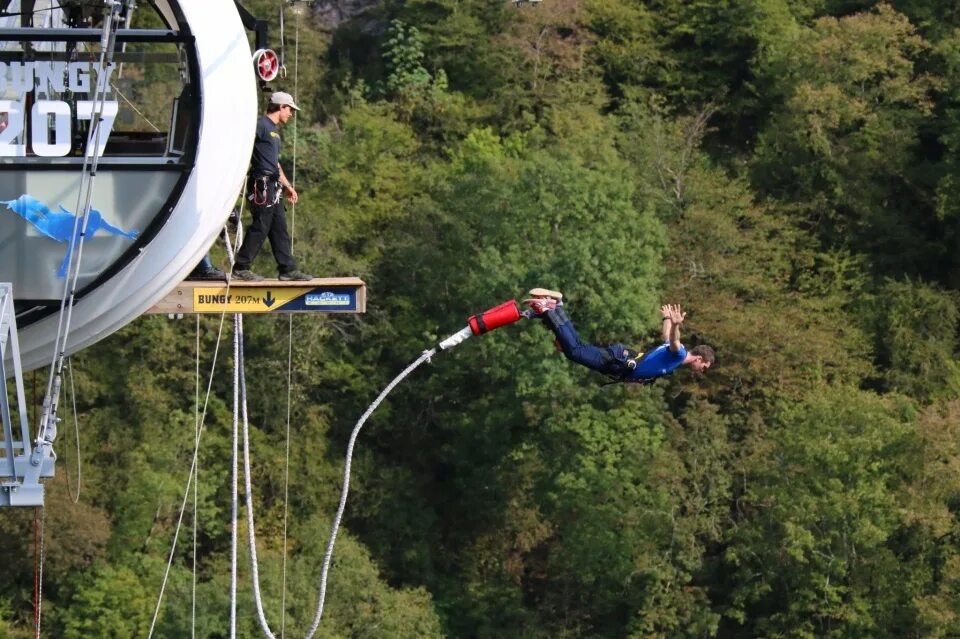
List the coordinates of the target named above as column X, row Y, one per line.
column 609, row 360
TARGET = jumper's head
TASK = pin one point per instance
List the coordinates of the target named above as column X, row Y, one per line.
column 703, row 357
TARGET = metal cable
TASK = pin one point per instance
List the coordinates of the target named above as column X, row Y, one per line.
column 76, row 429
column 43, row 517
column 87, row 177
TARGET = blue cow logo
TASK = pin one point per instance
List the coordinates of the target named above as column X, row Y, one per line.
column 59, row 226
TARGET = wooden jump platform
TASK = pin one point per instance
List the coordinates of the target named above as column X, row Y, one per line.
column 319, row 295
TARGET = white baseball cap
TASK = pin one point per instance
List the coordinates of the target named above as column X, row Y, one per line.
column 284, row 99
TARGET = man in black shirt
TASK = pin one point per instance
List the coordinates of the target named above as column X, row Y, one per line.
column 266, row 183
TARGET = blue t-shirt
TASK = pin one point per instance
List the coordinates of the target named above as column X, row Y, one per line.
column 658, row 362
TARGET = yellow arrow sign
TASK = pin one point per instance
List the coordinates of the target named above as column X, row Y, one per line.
column 242, row 300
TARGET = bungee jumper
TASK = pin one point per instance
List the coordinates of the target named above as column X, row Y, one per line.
column 617, row 361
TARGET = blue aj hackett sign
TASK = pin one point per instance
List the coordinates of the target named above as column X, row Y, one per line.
column 325, row 299
column 328, row 298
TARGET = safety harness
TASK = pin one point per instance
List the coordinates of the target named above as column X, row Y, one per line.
column 260, row 190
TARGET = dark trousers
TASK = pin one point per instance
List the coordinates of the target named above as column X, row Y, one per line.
column 269, row 223
column 609, row 360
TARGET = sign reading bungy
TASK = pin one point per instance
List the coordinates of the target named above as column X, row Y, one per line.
column 51, row 121
column 266, row 299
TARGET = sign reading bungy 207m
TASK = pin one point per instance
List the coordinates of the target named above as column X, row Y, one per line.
column 51, row 124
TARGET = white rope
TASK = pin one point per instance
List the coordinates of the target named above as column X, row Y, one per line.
column 248, row 488
column 240, row 382
column 293, row 235
column 190, row 476
column 286, row 479
column 198, row 435
column 196, row 443
column 425, row 356
column 47, row 428
column 237, row 333
column 91, row 160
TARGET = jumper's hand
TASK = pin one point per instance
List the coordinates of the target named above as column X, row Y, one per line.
column 292, row 196
column 673, row 313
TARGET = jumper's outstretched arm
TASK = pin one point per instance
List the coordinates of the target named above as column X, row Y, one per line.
column 672, row 319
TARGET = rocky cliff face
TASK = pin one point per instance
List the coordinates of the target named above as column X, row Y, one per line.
column 330, row 14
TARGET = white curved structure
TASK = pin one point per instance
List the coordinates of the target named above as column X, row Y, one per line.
column 171, row 192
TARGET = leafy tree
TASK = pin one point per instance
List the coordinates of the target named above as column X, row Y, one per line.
column 841, row 146
column 113, row 603
column 813, row 555
column 737, row 265
column 404, row 56
column 917, row 339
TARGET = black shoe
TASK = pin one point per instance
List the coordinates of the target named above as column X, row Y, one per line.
column 207, row 273
column 295, row 276
column 246, row 275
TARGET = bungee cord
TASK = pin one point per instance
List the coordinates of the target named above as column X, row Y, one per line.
column 496, row 317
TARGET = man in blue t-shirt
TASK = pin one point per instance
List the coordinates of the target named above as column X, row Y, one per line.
column 616, row 360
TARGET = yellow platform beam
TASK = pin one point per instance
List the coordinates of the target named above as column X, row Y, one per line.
column 319, row 295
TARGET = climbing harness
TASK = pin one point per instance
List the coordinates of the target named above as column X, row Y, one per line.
column 262, row 188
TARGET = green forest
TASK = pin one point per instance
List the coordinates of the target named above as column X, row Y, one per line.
column 786, row 170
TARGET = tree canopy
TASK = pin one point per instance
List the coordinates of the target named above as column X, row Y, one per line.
column 786, row 170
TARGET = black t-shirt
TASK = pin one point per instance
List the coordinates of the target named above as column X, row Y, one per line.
column 266, row 149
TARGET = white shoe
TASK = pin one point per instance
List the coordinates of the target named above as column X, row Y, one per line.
column 546, row 292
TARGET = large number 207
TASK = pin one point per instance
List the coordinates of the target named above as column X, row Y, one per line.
column 51, row 116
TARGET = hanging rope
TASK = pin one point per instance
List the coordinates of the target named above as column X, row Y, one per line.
column 425, row 356
column 76, row 430
column 191, row 475
column 196, row 483
column 36, row 570
column 240, row 386
column 237, row 349
column 199, row 434
column 40, row 518
column 248, row 489
column 293, row 235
